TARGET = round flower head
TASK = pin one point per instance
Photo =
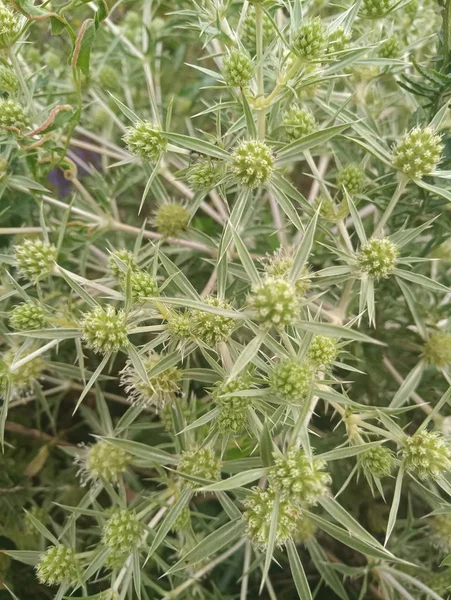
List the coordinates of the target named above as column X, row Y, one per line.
column 121, row 534
column 171, row 219
column 233, row 416
column 427, row 454
column 290, row 380
column 312, row 40
column 252, row 163
column 103, row 461
column 437, row 349
column 205, row 174
column 58, row 565
column 322, row 351
column 143, row 285
column 374, row 9
column 27, row 316
column 238, row 68
column 298, row 478
column 274, row 302
column 351, row 177
column 120, row 261
column 259, row 506
column 212, row 328
column 158, row 391
column 20, row 380
column 179, row 325
column 378, row 461
column 9, row 26
column 389, row 48
column 105, row 329
column 280, row 263
column 338, row 40
column 8, row 80
column 146, row 141
column 12, row 116
column 200, row 462
column 35, row 258
column 378, row 258
column 248, row 29
column 418, row 152
column 440, row 527
column 298, row 122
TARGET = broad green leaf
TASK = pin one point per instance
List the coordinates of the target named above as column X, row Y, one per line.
column 235, row 481
column 143, row 451
column 395, row 504
column 171, row 517
column 297, row 570
column 408, row 386
column 192, row 143
column 295, row 150
column 422, row 280
column 337, row 332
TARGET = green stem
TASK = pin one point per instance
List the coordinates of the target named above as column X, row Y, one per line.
column 261, row 111
column 391, row 206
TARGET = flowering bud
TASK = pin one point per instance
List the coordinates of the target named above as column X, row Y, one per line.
column 105, row 330
column 252, row 163
column 205, row 174
column 338, row 40
column 378, row 258
column 298, row 122
column 274, row 302
column 351, row 177
column 233, row 415
column 179, row 325
column 12, row 115
column 9, row 26
column 279, row 265
column 437, row 349
column 374, row 9
column 58, row 565
column 259, row 506
column 145, row 140
column 440, row 527
column 299, row 478
column 312, row 40
column 171, row 219
column 35, row 258
column 22, row 378
column 124, row 256
column 158, row 391
column 27, row 316
column 104, row 461
column 427, row 454
column 322, row 351
column 389, row 48
column 248, row 29
column 211, row 328
column 8, row 80
column 121, row 534
column 418, row 152
column 200, row 462
column 378, row 461
column 290, row 380
column 143, row 285
column 238, row 69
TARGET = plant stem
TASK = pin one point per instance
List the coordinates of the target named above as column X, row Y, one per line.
column 261, row 111
column 391, row 206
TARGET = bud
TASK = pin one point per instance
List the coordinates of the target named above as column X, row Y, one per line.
column 103, row 461
column 274, row 302
column 27, row 316
column 12, row 115
column 290, row 380
column 109, row 78
column 211, row 328
column 298, row 478
column 105, row 330
column 298, row 122
column 146, row 141
column 279, row 264
column 171, row 219
column 58, row 565
column 259, row 506
column 322, row 351
column 35, row 258
column 124, row 256
column 427, row 454
column 440, row 527
column 338, row 40
column 8, row 80
column 248, row 29
column 238, row 69
column 205, row 174
column 389, row 48
column 158, row 391
column 143, row 285
column 9, row 26
column 179, row 325
column 437, row 349
column 351, row 177
column 418, row 152
column 374, row 9
column 311, row 41
column 252, row 163
column 378, row 461
column 122, row 533
column 234, row 409
column 378, row 258
column 200, row 462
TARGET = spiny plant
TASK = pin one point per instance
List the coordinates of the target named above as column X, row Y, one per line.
column 225, row 276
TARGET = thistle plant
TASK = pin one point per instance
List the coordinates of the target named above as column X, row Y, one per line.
column 225, row 359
